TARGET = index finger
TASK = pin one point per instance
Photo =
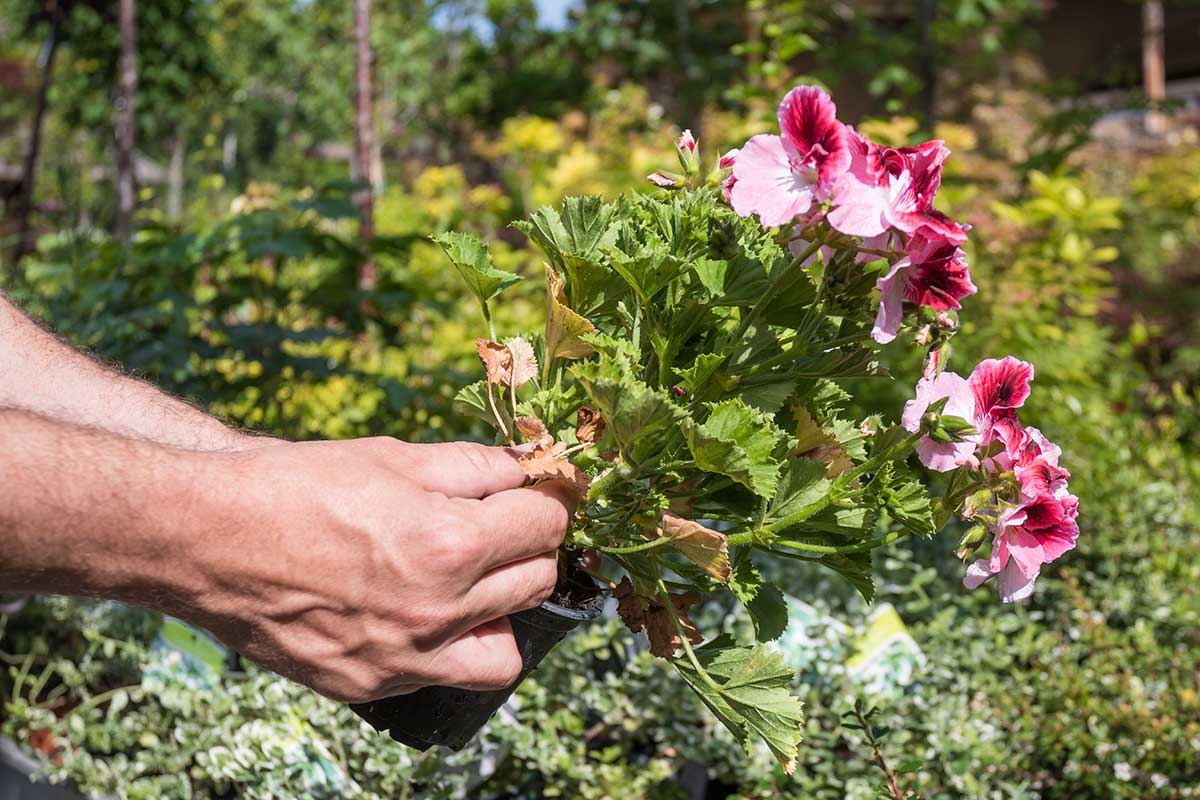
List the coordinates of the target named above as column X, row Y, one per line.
column 517, row 524
column 464, row 469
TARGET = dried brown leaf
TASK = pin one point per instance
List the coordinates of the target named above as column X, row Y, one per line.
column 589, row 426
column 640, row 613
column 704, row 547
column 497, row 361
column 534, row 430
column 524, row 362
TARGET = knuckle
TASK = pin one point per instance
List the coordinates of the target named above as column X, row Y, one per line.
column 503, row 673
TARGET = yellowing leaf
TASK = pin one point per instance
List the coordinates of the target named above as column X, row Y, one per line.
column 707, row 549
column 563, row 326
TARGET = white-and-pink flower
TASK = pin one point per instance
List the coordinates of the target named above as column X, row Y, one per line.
column 781, row 177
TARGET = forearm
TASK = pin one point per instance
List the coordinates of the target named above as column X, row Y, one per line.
column 41, row 373
column 87, row 512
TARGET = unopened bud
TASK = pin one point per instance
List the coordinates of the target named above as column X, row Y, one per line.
column 665, row 180
column 689, row 157
column 975, row 502
column 946, row 320
column 970, row 541
column 929, row 422
column 924, row 336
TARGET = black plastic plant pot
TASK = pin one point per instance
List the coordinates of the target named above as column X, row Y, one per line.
column 440, row 715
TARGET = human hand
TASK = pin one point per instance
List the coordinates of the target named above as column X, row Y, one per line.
column 372, row 567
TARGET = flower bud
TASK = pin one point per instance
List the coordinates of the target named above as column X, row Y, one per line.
column 869, row 426
column 665, row 180
column 924, row 336
column 929, row 422
column 946, row 320
column 689, row 157
column 975, row 502
column 971, row 541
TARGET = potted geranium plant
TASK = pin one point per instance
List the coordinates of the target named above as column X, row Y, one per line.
column 688, row 383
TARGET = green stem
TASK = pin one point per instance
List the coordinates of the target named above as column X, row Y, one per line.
column 772, row 289
column 634, row 548
column 683, row 639
column 103, row 697
column 487, row 317
column 859, row 547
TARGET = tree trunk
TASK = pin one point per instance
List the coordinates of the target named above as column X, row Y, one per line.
column 126, row 123
column 175, row 177
column 229, row 146
column 364, row 125
column 24, row 205
column 1154, row 73
column 927, row 67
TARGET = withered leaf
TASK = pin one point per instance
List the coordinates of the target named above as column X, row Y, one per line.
column 589, row 425
column 534, row 430
column 497, row 361
column 545, row 462
column 648, row 614
column 524, row 362
column 706, row 548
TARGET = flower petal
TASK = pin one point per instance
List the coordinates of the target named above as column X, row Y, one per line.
column 765, row 184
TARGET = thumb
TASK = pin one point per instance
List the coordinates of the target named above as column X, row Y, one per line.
column 485, row 658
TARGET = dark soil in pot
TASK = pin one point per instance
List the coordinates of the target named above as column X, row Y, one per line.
column 440, row 715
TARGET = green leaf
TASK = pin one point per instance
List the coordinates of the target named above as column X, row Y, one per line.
column 769, row 613
column 850, row 523
column 472, row 400
column 745, row 580
column 471, row 258
column 635, row 414
column 906, row 501
column 739, row 442
column 856, row 568
column 703, row 368
column 768, row 397
column 750, row 697
column 646, row 266
column 575, row 243
column 802, row 485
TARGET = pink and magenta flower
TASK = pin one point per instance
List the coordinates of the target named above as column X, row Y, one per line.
column 1035, row 533
column 781, row 177
column 960, row 402
column 1001, row 387
column 892, row 188
column 933, row 273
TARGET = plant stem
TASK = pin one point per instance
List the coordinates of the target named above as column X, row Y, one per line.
column 496, row 413
column 487, row 317
column 633, row 548
column 772, row 289
column 858, row 547
column 683, row 639
column 892, row 785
